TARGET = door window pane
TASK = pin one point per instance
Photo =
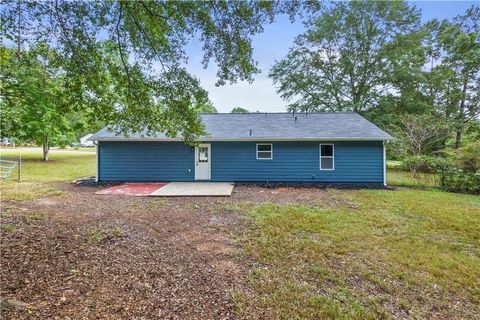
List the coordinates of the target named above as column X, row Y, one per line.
column 202, row 154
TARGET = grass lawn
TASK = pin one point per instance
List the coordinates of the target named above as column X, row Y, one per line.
column 64, row 165
column 380, row 254
column 404, row 178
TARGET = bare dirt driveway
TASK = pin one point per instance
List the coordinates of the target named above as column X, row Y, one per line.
column 81, row 255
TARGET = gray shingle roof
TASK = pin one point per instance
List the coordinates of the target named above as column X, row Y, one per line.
column 274, row 126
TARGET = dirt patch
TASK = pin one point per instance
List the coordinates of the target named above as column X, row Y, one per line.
column 46, row 202
column 305, row 196
column 83, row 255
column 117, row 257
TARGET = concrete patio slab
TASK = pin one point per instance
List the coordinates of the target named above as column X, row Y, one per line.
column 133, row 189
column 195, row 189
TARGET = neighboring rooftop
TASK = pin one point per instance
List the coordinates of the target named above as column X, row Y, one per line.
column 272, row 126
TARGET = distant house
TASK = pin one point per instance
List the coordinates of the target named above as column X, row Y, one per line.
column 85, row 142
column 7, row 142
column 324, row 148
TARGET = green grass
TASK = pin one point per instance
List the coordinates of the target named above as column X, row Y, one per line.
column 86, row 149
column 37, row 174
column 26, row 190
column 62, row 165
column 386, row 254
column 406, row 179
column 393, row 164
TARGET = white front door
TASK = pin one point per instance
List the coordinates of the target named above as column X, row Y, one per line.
column 202, row 162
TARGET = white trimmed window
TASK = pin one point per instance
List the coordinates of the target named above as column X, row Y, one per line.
column 264, row 151
column 327, row 159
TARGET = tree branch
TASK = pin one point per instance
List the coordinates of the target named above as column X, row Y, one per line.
column 119, row 42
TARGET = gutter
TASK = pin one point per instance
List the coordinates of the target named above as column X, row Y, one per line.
column 242, row 139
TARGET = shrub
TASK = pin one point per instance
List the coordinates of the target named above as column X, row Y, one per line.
column 458, row 170
column 463, row 175
column 426, row 164
column 460, row 180
column 467, row 157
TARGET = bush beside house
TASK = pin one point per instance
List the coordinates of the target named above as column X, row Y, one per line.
column 457, row 170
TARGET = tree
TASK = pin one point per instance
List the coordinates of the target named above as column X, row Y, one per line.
column 36, row 92
column 239, row 110
column 438, row 73
column 460, row 44
column 420, row 134
column 125, row 58
column 418, row 83
column 342, row 61
column 207, row 108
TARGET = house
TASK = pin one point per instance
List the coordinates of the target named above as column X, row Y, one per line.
column 326, row 148
column 86, row 142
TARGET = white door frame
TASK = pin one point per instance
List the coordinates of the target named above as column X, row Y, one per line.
column 198, row 174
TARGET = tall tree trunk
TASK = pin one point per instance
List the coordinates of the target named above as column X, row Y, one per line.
column 46, row 147
column 461, row 116
column 19, row 26
column 458, row 137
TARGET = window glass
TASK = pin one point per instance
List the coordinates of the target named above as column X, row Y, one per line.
column 202, row 154
column 264, row 147
column 327, row 150
column 327, row 157
column 264, row 155
column 327, row 163
column 264, row 151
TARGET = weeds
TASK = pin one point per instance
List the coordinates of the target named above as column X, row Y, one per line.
column 97, row 234
column 9, row 227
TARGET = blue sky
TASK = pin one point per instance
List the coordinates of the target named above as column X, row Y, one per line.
column 273, row 44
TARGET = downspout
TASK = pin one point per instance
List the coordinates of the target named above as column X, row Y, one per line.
column 384, row 165
column 96, row 160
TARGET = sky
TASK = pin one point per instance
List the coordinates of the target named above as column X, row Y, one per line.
column 272, row 45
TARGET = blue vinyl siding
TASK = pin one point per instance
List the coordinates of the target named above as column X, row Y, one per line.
column 145, row 161
column 355, row 162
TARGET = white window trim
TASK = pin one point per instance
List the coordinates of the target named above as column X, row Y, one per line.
column 271, row 152
column 328, row 157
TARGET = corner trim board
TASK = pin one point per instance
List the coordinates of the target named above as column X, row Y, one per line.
column 97, row 150
column 384, row 165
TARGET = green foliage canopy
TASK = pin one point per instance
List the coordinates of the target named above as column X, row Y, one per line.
column 35, row 95
column 124, row 60
column 239, row 110
column 206, row 108
column 342, row 61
